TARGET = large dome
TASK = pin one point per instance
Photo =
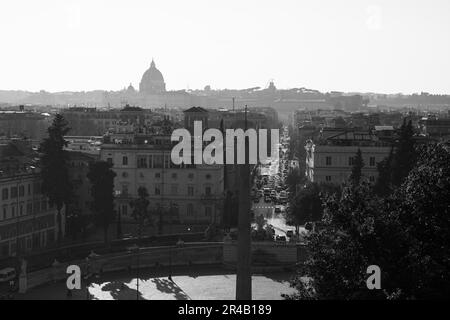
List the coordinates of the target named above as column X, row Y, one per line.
column 152, row 81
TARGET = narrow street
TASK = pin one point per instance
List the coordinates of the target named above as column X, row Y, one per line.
column 275, row 175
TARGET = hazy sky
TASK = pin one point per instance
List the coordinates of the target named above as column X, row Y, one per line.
column 349, row 45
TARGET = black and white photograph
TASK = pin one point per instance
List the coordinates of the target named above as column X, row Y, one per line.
column 232, row 156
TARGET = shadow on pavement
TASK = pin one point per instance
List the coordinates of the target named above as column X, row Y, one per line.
column 170, row 287
column 120, row 291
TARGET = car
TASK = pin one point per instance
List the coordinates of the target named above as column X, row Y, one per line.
column 255, row 200
column 267, row 199
column 280, row 238
column 277, row 209
column 289, row 233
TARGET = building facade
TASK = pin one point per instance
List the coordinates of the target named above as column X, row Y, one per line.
column 182, row 197
column 331, row 160
column 27, row 221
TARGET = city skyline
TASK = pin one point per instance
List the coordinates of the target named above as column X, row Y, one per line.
column 364, row 46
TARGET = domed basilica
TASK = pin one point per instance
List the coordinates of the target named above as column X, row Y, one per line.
column 152, row 81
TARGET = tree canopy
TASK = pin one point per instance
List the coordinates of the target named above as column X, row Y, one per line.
column 54, row 167
column 101, row 177
column 140, row 208
column 402, row 158
column 358, row 165
column 406, row 234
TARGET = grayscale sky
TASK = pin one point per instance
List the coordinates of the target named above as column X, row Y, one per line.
column 347, row 45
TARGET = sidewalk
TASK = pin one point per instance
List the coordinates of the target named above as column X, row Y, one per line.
column 182, row 287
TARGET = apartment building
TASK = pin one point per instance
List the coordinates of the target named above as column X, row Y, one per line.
column 27, row 221
column 330, row 160
column 183, row 196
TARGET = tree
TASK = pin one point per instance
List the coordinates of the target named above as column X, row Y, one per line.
column 383, row 184
column 406, row 234
column 395, row 168
column 306, row 206
column 55, row 176
column 423, row 208
column 140, row 211
column 102, row 177
column 358, row 165
column 295, row 179
column 405, row 154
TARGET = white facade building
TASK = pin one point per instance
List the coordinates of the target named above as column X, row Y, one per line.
column 331, row 160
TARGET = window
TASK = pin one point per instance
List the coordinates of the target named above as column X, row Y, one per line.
column 13, row 192
column 36, row 207
column 190, row 176
column 372, row 179
column 372, row 161
column 175, row 211
column 174, row 176
column 44, row 205
column 174, row 189
column 124, row 209
column 351, row 161
column 190, row 191
column 125, row 189
column 124, row 175
column 158, row 161
column 21, row 191
column 328, row 178
column 142, row 162
column 125, row 160
column 167, row 162
column 208, row 191
column 157, row 190
column 328, row 161
column 157, row 175
column 5, row 194
column 208, row 176
column 29, row 208
column 5, row 250
column 29, row 189
column 5, row 213
column 109, row 160
column 190, row 209
column 13, row 211
column 208, row 211
column 37, row 188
